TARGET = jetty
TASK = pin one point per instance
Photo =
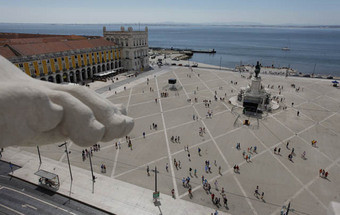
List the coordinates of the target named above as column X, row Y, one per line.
column 187, row 51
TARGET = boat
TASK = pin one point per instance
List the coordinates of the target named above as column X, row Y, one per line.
column 285, row 49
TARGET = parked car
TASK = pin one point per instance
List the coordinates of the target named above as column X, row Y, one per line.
column 173, row 64
column 180, row 64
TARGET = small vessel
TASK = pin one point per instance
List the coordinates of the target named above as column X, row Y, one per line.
column 285, row 49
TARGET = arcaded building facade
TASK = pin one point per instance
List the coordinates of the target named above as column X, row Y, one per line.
column 134, row 46
column 59, row 58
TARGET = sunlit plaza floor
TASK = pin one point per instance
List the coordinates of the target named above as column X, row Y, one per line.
column 280, row 179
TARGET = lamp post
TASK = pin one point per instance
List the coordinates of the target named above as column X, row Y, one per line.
column 156, row 193
column 93, row 177
column 68, row 159
column 39, row 156
column 220, row 62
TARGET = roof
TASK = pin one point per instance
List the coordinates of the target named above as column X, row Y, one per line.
column 6, row 52
column 16, row 45
column 46, row 47
column 45, row 174
column 23, row 35
column 25, row 40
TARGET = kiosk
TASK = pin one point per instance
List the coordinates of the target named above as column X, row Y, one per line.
column 48, row 180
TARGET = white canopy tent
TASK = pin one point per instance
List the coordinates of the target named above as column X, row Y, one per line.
column 106, row 73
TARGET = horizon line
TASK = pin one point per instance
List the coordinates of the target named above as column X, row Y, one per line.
column 184, row 23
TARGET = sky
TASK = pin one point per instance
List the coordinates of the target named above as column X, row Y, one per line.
column 269, row 12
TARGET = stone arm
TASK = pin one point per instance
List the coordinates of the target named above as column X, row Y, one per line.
column 34, row 112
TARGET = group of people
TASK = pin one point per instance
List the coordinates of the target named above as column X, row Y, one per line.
column 103, row 168
column 257, row 193
column 153, row 126
column 175, row 139
column 236, row 169
column 209, row 114
column 246, row 156
column 201, row 131
column 177, row 164
column 164, row 94
column 323, row 173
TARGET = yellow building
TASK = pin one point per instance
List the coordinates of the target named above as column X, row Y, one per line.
column 62, row 58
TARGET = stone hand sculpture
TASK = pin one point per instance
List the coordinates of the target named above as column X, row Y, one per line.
column 34, row 112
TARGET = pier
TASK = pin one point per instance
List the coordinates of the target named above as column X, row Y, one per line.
column 187, row 51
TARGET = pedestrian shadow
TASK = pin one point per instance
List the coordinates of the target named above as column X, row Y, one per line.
column 327, row 179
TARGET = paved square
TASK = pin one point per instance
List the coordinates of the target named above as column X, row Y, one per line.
column 178, row 115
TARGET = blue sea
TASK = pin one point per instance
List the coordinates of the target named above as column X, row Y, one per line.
column 311, row 49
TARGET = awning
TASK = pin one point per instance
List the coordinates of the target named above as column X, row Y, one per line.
column 101, row 74
column 45, row 174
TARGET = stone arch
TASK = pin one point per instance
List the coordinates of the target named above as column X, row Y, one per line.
column 103, row 68
column 99, row 69
column 72, row 77
column 43, row 79
column 65, row 77
column 50, row 78
column 94, row 71
column 83, row 74
column 89, row 73
column 58, row 78
column 108, row 66
column 78, row 77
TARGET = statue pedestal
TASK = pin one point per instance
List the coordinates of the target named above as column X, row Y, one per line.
column 255, row 86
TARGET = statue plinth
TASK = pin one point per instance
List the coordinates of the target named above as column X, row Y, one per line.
column 255, row 86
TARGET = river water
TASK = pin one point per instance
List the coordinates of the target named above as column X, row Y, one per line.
column 311, row 49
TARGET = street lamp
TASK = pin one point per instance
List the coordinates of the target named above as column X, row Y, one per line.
column 39, row 156
column 68, row 159
column 156, row 193
column 220, row 62
column 93, row 177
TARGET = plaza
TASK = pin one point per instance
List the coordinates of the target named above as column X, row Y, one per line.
column 178, row 114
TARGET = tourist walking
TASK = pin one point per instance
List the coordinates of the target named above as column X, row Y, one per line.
column 190, row 193
column 216, row 184
column 212, row 197
column 256, row 193
column 148, row 170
